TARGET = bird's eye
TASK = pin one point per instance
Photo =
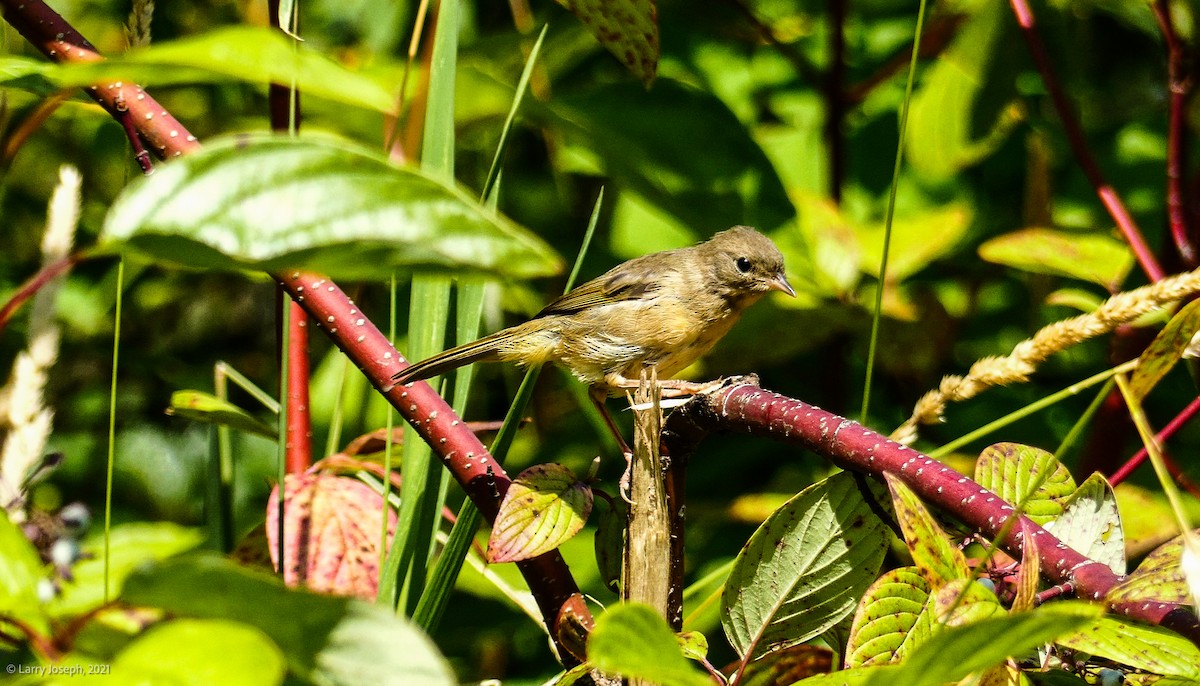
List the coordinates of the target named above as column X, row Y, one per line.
column 743, row 264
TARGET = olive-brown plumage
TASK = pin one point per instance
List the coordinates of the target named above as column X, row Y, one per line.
column 662, row 310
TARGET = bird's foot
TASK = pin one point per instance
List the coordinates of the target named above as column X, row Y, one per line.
column 624, row 485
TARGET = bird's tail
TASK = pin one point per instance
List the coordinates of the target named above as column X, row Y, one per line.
column 483, row 350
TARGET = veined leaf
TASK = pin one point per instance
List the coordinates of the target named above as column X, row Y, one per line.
column 544, row 506
column 1158, row 579
column 938, row 559
column 1029, row 478
column 1149, row 648
column 804, row 569
column 893, row 617
column 268, row 202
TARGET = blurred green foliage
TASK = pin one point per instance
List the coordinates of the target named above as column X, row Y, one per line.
column 734, row 130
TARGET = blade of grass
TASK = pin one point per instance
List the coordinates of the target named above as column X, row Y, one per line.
column 433, row 603
column 248, row 386
column 222, row 507
column 877, row 315
column 112, row 426
column 429, row 312
column 1069, row 391
column 285, row 324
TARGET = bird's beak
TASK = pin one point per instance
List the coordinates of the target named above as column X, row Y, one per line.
column 780, row 283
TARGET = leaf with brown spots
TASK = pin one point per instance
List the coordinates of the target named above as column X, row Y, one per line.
column 545, row 506
column 627, row 28
column 1029, row 478
column 1160, row 356
column 331, row 534
column 893, row 617
column 939, row 560
column 1158, row 579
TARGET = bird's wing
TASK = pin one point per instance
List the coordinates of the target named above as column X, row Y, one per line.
column 630, row 281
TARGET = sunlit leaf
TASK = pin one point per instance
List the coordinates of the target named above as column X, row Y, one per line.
column 932, row 551
column 325, row 639
column 631, row 640
column 267, row 202
column 916, row 240
column 199, row 406
column 544, row 506
column 1029, row 478
column 130, row 546
column 1153, row 649
column 331, row 533
column 964, row 601
column 1158, row 579
column 1097, row 258
column 788, row 666
column 198, row 652
column 804, row 569
column 1091, row 524
column 20, row 572
column 939, row 139
column 240, row 53
column 1161, row 355
column 892, row 618
column 955, row 652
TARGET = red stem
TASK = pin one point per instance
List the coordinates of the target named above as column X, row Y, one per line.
column 298, row 449
column 750, row 409
column 1180, row 85
column 1083, row 155
column 1167, row 432
column 27, row 290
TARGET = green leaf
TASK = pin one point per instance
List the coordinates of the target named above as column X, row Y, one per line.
column 199, row 406
column 199, row 652
column 1091, row 524
column 938, row 140
column 1148, row 648
column 20, row 571
column 610, row 543
column 1097, row 258
column 932, row 551
column 916, row 240
column 628, row 28
column 244, row 53
column 1160, row 356
column 325, row 639
column 267, row 202
column 544, row 506
column 649, row 142
column 1158, row 579
column 1030, row 478
column 804, row 569
column 891, row 619
column 955, row 652
column 964, row 601
column 632, row 641
column 130, row 546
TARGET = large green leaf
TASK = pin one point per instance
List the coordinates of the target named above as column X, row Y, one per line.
column 955, row 652
column 804, row 569
column 630, row 640
column 254, row 54
column 130, row 546
column 892, row 619
column 1148, row 648
column 325, row 639
column 198, row 652
column 1158, row 579
column 1091, row 524
column 267, row 202
column 681, row 148
column 20, row 572
column 938, row 139
column 1093, row 257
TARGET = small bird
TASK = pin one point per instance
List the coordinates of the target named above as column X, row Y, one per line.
column 660, row 311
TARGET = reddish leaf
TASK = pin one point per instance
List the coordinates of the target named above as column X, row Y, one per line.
column 331, row 534
column 544, row 506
